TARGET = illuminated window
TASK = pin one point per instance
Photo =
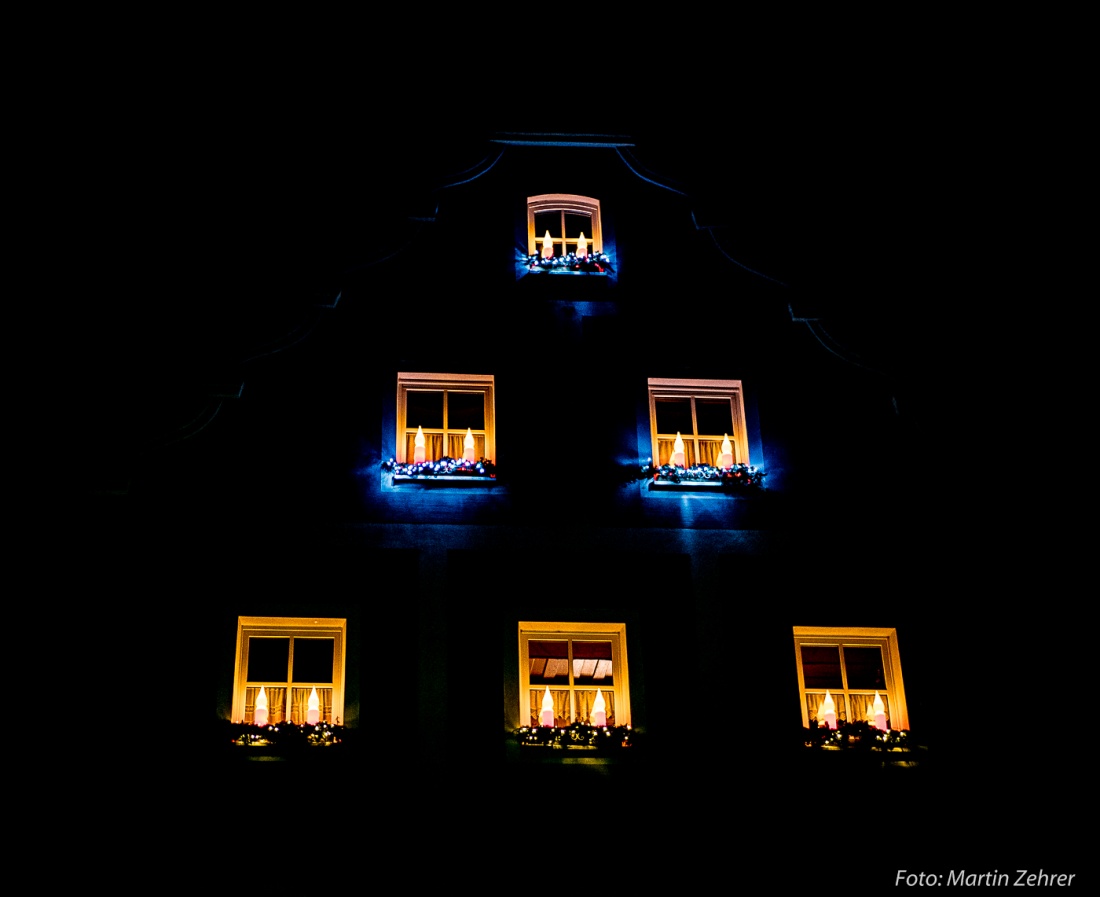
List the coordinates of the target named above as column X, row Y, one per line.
column 577, row 663
column 703, row 413
column 289, row 658
column 562, row 223
column 441, row 411
column 852, row 664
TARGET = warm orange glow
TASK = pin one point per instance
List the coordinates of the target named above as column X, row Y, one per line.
column 547, row 246
column 546, row 717
column 418, row 451
column 599, row 710
column 582, row 247
column 313, row 714
column 677, row 459
column 826, row 713
column 468, row 445
column 725, row 459
column 260, row 717
column 880, row 713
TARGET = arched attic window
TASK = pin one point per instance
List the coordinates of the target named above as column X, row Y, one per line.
column 564, row 224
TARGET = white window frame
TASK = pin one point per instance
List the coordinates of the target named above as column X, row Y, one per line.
column 292, row 628
column 482, row 383
column 614, row 632
column 678, row 388
column 861, row 636
column 566, row 203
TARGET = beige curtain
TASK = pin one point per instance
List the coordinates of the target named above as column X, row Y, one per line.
column 276, row 704
column 863, row 707
column 664, row 450
column 299, row 707
column 709, row 450
column 433, row 446
column 456, row 446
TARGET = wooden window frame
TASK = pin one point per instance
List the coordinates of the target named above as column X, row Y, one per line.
column 566, row 203
column 555, row 631
column 482, row 383
column 857, row 636
column 677, row 388
column 291, row 628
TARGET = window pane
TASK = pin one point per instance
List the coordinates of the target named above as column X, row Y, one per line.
column 268, row 659
column 592, row 664
column 465, row 410
column 313, row 659
column 674, row 416
column 821, row 666
column 864, row 667
column 714, row 416
column 549, row 662
column 547, row 221
column 424, row 409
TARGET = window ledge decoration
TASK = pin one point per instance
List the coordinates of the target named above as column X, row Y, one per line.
column 859, row 735
column 577, row 737
column 446, row 469
column 742, row 479
column 594, row 263
column 286, row 736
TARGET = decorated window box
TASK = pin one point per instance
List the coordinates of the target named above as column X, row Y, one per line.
column 737, row 479
column 445, row 472
column 596, row 264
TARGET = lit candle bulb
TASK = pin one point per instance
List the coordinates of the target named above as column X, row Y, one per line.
column 313, row 714
column 880, row 713
column 546, row 718
column 547, row 246
column 725, row 459
column 260, row 717
column 827, row 711
column 468, row 445
column 677, row 459
column 582, row 247
column 418, row 451
column 599, row 710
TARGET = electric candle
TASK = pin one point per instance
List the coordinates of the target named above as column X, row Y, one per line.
column 546, row 718
column 599, row 710
column 725, row 459
column 418, row 451
column 547, row 246
column 260, row 717
column 880, row 713
column 313, row 714
column 468, row 445
column 677, row 459
column 582, row 247
column 827, row 711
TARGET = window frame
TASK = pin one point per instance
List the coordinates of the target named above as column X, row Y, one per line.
column 483, row 383
column 680, row 388
column 614, row 632
column 856, row 636
column 290, row 627
column 566, row 203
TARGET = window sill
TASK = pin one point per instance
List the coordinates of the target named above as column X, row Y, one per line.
column 456, row 481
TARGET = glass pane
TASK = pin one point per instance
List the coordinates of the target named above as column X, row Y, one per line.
column 313, row 659
column 575, row 223
column 592, row 664
column 863, row 707
column 465, row 410
column 674, row 416
column 424, row 409
column 547, row 221
column 586, row 704
column 268, row 659
column 714, row 416
column 549, row 662
column 821, row 666
column 864, row 667
column 559, row 698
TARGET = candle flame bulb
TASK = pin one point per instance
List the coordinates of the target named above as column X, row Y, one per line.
column 418, row 450
column 582, row 247
column 547, row 246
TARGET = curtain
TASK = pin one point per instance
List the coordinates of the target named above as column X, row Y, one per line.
column 433, row 446
column 561, row 706
column 299, row 707
column 863, row 706
column 814, row 702
column 456, row 446
column 584, row 701
column 276, row 704
column 709, row 450
column 664, row 450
